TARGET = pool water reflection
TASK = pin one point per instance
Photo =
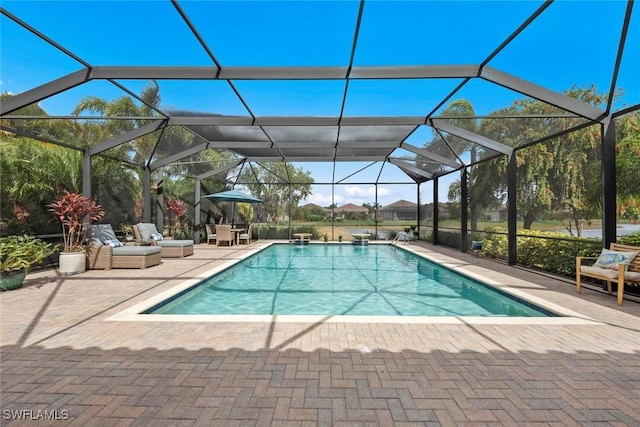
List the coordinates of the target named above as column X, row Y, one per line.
column 330, row 279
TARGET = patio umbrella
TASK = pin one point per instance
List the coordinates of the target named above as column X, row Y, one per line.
column 233, row 196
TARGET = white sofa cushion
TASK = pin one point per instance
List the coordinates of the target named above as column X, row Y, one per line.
column 599, row 271
column 632, row 275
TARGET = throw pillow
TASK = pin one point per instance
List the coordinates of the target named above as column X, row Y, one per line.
column 114, row 243
column 157, row 237
column 98, row 233
column 146, row 229
column 94, row 236
column 612, row 259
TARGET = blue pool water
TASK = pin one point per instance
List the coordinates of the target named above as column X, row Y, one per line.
column 319, row 279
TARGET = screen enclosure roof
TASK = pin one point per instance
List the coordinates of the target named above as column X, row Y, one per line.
column 368, row 82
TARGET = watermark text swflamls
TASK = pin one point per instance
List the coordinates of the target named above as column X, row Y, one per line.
column 37, row 415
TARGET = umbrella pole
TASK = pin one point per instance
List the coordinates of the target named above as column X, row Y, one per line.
column 233, row 215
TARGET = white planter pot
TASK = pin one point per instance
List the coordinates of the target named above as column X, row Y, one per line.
column 72, row 263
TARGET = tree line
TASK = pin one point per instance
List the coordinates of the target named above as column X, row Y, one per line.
column 560, row 175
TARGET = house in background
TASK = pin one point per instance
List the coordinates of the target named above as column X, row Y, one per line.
column 312, row 212
column 426, row 211
column 350, row 211
column 400, row 211
column 313, row 206
column 498, row 213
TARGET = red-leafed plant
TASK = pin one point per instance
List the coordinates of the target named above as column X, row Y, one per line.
column 71, row 209
column 178, row 209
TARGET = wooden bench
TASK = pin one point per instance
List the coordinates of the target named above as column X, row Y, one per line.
column 622, row 275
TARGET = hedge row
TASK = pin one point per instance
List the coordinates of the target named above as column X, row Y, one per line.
column 631, row 239
column 282, row 232
column 552, row 252
column 544, row 250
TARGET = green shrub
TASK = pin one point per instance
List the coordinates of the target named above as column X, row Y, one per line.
column 495, row 245
column 631, row 239
column 428, row 237
column 451, row 239
column 23, row 252
column 281, row 232
column 549, row 251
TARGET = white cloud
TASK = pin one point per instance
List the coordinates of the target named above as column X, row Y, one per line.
column 365, row 192
column 383, row 192
column 360, row 194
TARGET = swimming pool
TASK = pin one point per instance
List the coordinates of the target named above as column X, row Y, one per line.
column 344, row 280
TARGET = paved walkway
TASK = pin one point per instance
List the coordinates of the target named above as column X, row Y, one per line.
column 61, row 358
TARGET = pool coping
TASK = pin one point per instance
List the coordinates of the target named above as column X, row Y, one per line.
column 564, row 316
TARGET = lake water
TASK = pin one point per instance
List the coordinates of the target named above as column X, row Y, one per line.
column 622, row 230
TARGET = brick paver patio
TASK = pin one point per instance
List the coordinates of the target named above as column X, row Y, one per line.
column 62, row 358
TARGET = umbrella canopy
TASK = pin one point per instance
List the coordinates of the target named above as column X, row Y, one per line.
column 232, row 196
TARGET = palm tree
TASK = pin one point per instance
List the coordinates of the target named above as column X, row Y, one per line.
column 100, row 130
column 464, row 110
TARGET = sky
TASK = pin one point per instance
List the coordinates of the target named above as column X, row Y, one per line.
column 571, row 43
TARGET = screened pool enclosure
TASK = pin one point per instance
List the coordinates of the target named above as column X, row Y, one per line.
column 455, row 119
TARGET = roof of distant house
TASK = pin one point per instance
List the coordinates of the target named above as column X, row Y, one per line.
column 350, row 207
column 400, row 204
column 313, row 206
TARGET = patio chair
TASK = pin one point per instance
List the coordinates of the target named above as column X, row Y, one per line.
column 147, row 234
column 106, row 252
column 211, row 235
column 224, row 235
column 246, row 237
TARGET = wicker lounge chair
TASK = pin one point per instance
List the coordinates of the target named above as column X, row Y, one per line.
column 224, row 235
column 211, row 235
column 101, row 256
column 147, row 234
column 246, row 237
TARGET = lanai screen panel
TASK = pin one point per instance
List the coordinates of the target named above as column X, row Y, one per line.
column 349, row 72
column 191, row 97
column 303, row 134
column 234, row 134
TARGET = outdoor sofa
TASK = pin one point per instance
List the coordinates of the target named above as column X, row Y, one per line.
column 147, row 234
column 620, row 264
column 106, row 252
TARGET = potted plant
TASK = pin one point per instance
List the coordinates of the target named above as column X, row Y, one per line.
column 17, row 255
column 128, row 232
column 72, row 209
